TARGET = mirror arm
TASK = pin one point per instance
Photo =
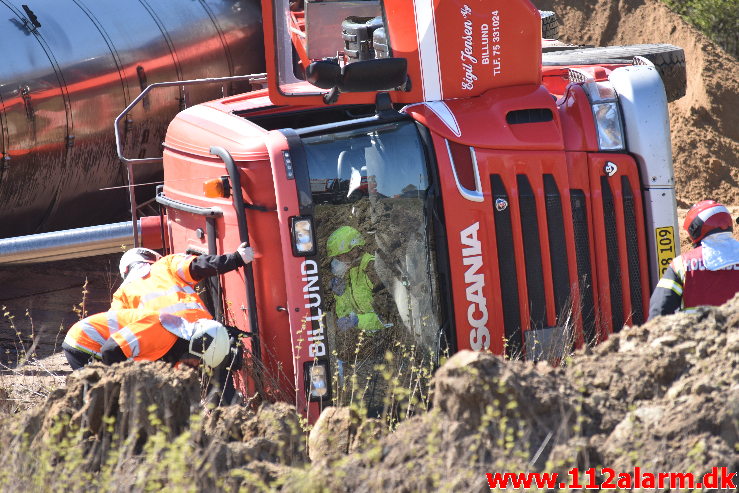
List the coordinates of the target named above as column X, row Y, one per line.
column 332, row 96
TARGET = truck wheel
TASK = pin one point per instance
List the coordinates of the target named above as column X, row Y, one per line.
column 549, row 24
column 668, row 59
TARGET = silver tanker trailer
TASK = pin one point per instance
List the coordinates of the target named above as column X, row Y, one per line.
column 69, row 67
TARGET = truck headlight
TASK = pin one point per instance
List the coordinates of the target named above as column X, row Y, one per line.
column 317, row 380
column 302, row 234
column 607, row 115
column 608, row 125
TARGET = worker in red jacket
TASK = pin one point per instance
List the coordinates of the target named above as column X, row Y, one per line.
column 152, row 287
column 706, row 275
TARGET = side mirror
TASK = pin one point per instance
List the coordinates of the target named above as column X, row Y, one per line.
column 379, row 74
column 325, row 74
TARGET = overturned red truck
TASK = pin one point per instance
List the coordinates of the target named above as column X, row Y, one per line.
column 416, row 181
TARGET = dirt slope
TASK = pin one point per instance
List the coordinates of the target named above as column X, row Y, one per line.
column 705, row 123
column 663, row 396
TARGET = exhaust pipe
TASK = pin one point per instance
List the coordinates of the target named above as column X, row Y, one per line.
column 81, row 242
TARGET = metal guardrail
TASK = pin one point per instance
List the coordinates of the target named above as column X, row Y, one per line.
column 68, row 244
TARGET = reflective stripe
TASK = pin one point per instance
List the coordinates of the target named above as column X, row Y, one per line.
column 113, row 321
column 711, row 211
column 83, row 349
column 679, row 267
column 91, row 332
column 428, row 49
column 183, row 263
column 131, row 340
column 173, row 290
column 177, row 307
column 176, row 325
column 671, row 285
column 69, row 341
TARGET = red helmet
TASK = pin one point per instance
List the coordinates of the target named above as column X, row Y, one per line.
column 706, row 217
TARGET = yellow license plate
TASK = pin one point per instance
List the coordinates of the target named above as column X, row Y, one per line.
column 665, row 247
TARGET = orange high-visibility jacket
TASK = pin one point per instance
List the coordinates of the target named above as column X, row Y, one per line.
column 89, row 334
column 168, row 288
column 145, row 339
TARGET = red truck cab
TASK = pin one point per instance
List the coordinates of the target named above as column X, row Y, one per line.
column 478, row 203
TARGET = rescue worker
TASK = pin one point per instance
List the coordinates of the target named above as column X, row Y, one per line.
column 706, row 275
column 152, row 285
column 165, row 337
column 157, row 283
column 351, row 283
column 145, row 336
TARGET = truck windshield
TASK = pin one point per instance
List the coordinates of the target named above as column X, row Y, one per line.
column 376, row 256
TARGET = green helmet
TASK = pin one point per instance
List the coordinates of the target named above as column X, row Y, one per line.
column 343, row 240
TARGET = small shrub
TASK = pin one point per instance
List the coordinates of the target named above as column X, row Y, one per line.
column 718, row 19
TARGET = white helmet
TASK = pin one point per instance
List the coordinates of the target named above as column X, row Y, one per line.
column 134, row 256
column 210, row 342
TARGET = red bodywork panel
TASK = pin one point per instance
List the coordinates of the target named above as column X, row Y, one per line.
column 187, row 157
column 306, row 329
column 463, row 49
column 453, row 49
column 530, row 155
column 481, row 121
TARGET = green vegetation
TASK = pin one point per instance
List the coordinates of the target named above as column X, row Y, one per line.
column 62, row 460
column 718, row 19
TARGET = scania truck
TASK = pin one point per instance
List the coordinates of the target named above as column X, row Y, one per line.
column 417, row 179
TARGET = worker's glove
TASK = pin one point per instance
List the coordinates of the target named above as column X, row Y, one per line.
column 246, row 253
column 348, row 322
column 337, row 285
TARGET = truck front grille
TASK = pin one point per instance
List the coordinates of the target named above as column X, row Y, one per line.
column 507, row 267
column 532, row 254
column 632, row 251
column 584, row 265
column 542, row 246
column 557, row 238
column 614, row 268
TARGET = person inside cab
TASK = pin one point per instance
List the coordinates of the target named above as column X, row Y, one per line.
column 706, row 275
column 353, row 282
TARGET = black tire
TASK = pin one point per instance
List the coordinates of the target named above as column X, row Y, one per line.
column 668, row 59
column 549, row 24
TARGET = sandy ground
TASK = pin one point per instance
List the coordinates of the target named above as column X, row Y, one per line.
column 39, row 303
column 704, row 123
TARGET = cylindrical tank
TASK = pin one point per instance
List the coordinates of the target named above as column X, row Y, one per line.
column 69, row 67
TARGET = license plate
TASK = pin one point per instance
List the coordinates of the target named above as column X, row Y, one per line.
column 665, row 247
